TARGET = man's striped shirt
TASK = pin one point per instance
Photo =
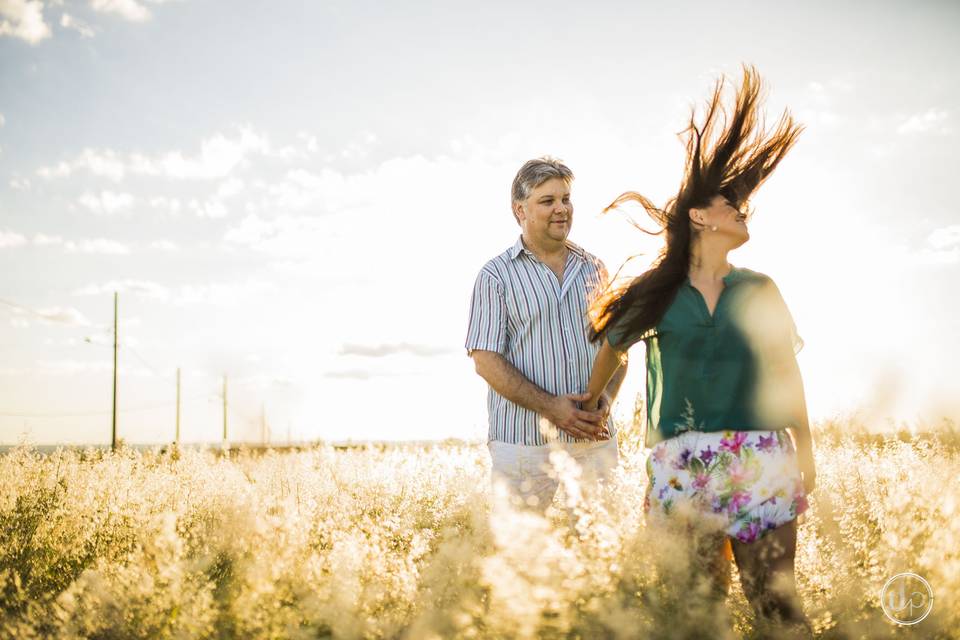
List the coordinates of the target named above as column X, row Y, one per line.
column 521, row 311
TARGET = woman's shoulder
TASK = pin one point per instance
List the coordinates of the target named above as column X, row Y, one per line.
column 749, row 275
column 755, row 284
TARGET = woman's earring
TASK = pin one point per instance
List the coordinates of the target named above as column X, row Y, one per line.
column 713, row 228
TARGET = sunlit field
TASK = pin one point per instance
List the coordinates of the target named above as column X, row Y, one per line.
column 409, row 542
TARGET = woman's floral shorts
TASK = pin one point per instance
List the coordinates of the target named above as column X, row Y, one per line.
column 742, row 482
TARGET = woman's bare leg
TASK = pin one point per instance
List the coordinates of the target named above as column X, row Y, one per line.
column 715, row 564
column 709, row 585
column 767, row 576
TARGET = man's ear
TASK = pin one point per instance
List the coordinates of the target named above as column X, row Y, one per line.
column 517, row 211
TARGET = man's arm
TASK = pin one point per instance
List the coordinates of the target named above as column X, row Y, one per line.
column 562, row 411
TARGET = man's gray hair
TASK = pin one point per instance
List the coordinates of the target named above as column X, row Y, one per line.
column 534, row 173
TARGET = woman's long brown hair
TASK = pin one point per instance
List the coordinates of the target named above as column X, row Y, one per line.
column 728, row 155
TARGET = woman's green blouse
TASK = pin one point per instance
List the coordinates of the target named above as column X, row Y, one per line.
column 732, row 370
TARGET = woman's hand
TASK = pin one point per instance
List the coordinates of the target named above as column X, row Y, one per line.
column 564, row 412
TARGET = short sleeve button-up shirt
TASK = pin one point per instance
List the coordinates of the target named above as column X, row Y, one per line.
column 540, row 325
column 709, row 372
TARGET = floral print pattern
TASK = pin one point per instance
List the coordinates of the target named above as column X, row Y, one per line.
column 748, row 482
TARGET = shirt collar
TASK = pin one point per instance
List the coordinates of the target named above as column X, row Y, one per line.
column 734, row 276
column 519, row 248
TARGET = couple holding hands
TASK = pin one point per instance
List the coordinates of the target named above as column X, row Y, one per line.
column 726, row 420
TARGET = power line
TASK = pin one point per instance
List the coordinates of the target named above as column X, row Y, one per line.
column 16, row 305
column 46, row 317
column 143, row 360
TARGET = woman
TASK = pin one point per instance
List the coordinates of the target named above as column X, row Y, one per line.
column 723, row 383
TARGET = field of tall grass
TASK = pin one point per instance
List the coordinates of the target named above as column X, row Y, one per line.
column 410, row 542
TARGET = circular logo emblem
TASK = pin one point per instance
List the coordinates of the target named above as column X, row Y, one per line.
column 906, row 598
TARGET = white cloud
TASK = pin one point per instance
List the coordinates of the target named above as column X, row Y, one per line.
column 142, row 288
column 213, row 293
column 350, row 374
column 287, row 236
column 251, row 231
column 929, row 120
column 107, row 202
column 91, row 245
column 172, row 206
column 219, row 155
column 69, row 22
column 98, row 245
column 381, row 350
column 229, row 188
column 59, row 315
column 220, row 293
column 9, row 239
column 326, row 190
column 80, row 367
column 54, row 315
column 19, row 184
column 3, row 120
column 366, row 209
column 212, row 208
column 106, row 163
column 943, row 249
column 59, row 170
column 939, row 256
column 41, row 240
column 359, row 149
column 309, row 140
column 824, row 117
column 128, row 9
column 945, row 236
column 164, row 245
column 23, row 19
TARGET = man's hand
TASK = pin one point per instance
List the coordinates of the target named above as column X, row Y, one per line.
column 564, row 413
column 601, row 406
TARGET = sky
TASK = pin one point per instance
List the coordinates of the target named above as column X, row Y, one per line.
column 298, row 196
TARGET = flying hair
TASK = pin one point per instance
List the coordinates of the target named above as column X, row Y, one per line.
column 728, row 154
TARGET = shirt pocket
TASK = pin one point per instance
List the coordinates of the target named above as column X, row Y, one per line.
column 526, row 304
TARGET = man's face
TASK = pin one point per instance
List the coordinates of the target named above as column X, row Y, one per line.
column 547, row 213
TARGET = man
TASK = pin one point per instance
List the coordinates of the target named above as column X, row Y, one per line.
column 528, row 339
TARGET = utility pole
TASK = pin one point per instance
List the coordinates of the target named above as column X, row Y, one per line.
column 113, row 434
column 176, row 439
column 224, row 411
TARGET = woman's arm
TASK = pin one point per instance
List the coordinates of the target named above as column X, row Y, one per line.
column 604, row 366
column 786, row 387
column 800, row 425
